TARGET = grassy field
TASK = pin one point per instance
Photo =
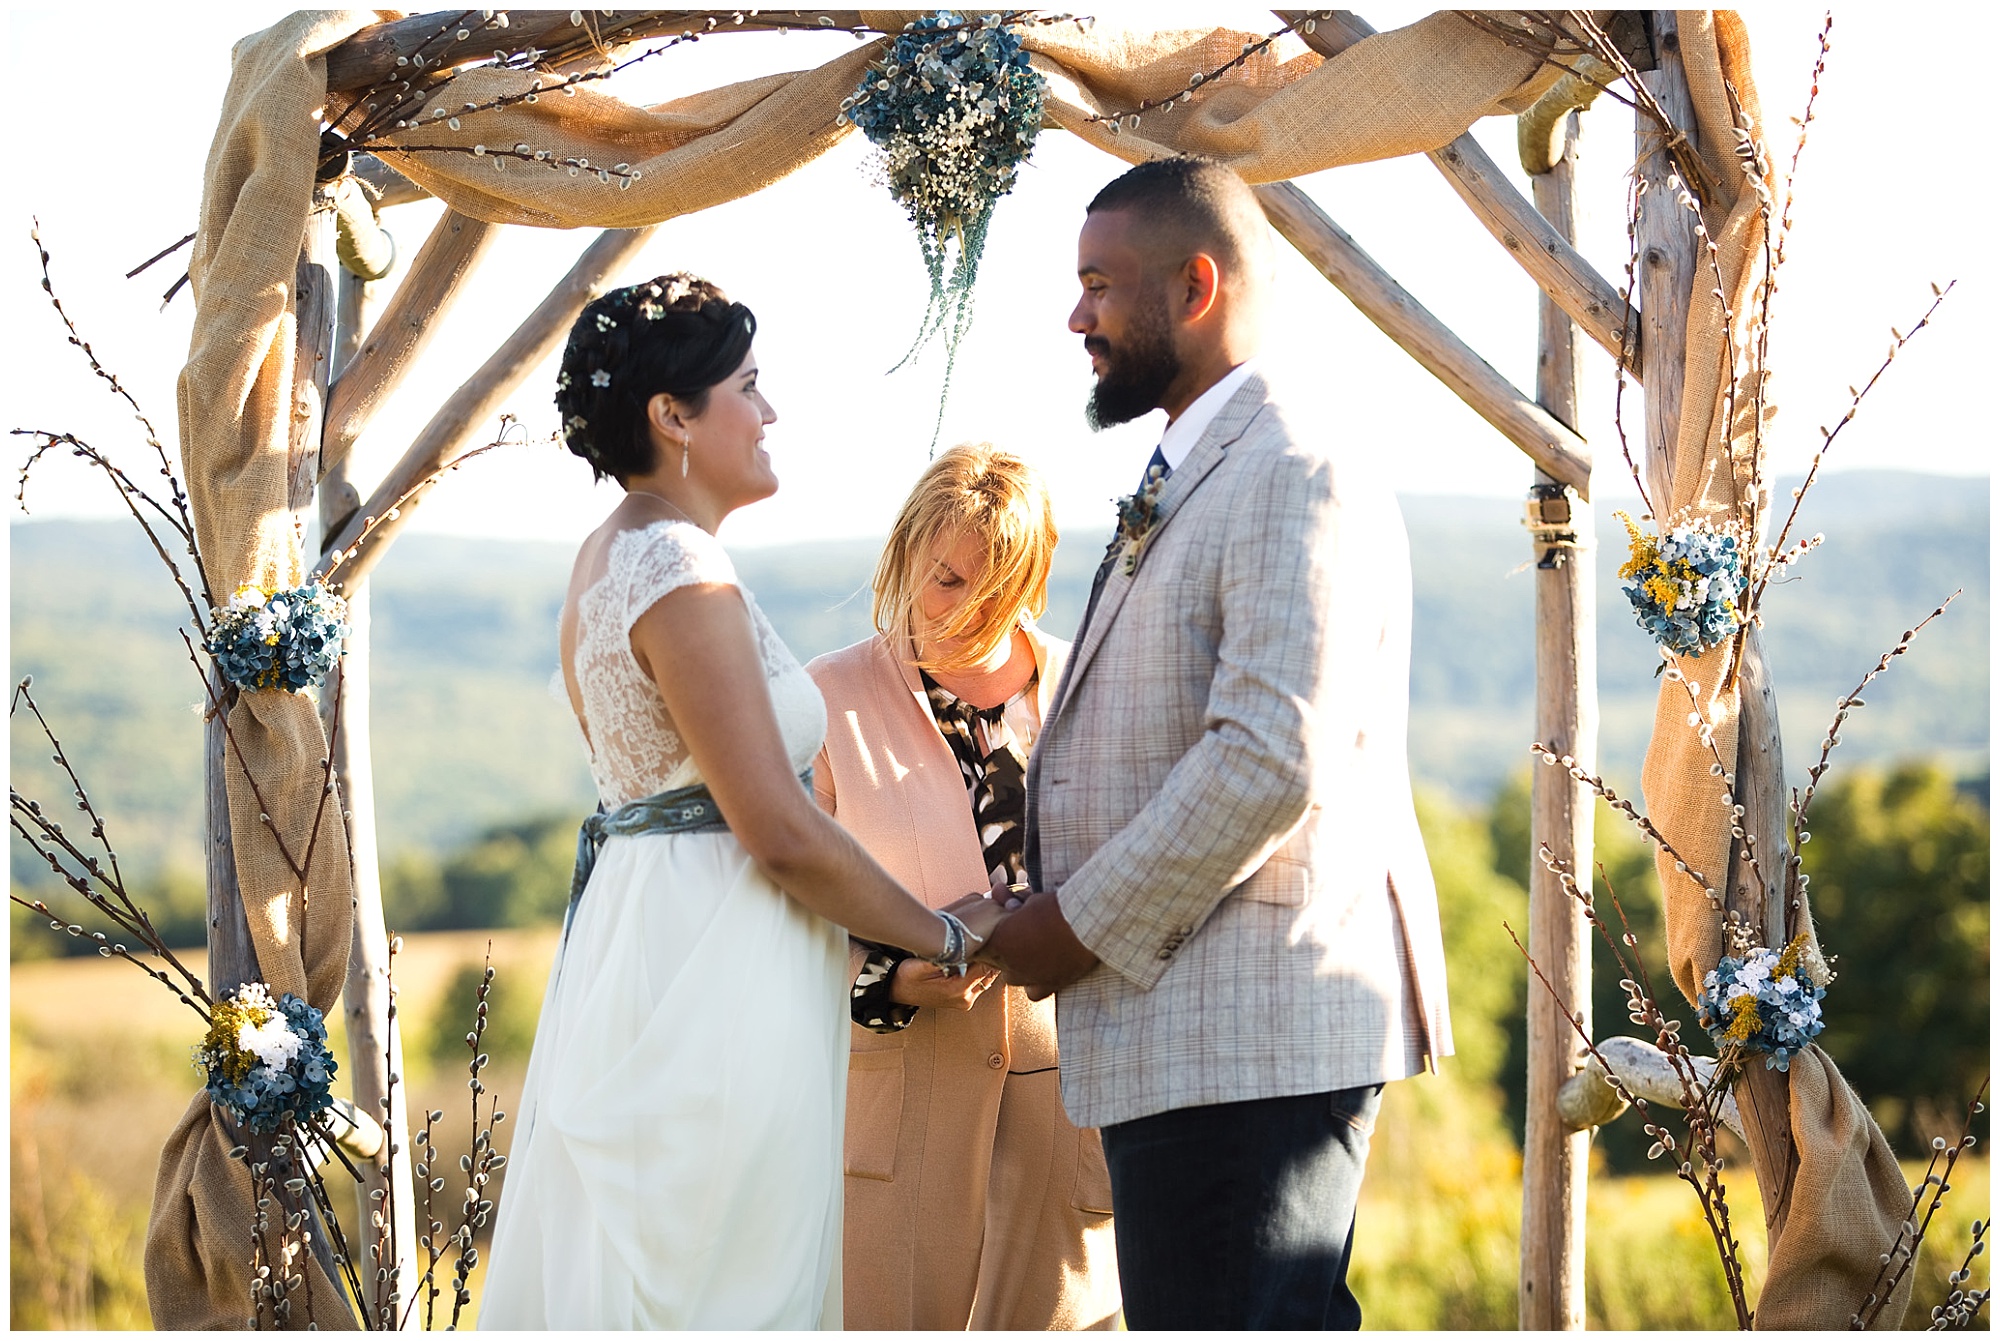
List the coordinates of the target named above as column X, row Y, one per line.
column 100, row 1073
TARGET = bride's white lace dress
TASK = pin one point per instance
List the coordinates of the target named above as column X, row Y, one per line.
column 677, row 1158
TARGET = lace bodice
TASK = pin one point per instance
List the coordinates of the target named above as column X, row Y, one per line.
column 634, row 749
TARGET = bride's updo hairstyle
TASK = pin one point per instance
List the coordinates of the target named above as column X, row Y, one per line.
column 676, row 335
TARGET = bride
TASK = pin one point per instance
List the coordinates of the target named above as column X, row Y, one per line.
column 677, row 1162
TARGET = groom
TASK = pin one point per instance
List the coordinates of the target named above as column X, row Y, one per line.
column 1237, row 911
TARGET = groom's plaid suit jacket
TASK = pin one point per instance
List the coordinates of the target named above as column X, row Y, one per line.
column 1221, row 795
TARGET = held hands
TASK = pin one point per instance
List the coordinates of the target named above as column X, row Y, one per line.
column 1034, row 946
column 920, row 983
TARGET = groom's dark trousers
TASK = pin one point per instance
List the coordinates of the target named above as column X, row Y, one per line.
column 1240, row 1216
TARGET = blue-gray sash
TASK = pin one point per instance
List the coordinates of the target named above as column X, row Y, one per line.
column 682, row 810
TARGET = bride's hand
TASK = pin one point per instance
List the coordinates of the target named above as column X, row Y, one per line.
column 979, row 913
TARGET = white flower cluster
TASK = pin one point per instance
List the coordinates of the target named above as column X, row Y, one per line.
column 273, row 1043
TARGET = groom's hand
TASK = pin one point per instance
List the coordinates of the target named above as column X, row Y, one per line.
column 1036, row 949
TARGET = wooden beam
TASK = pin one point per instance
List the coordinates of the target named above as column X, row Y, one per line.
column 371, row 55
column 1760, row 790
column 1551, row 444
column 374, row 1042
column 1667, row 257
column 435, row 279
column 1550, row 258
column 1555, row 1158
column 453, row 430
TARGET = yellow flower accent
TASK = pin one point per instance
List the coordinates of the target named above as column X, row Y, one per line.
column 1788, row 962
column 1743, row 1023
column 225, row 1026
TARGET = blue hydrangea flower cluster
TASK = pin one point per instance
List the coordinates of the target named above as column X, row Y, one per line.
column 954, row 108
column 1763, row 1002
column 1684, row 585
column 278, row 640
column 266, row 1059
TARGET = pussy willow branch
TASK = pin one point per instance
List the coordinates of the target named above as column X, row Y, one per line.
column 1805, row 121
column 475, row 1208
column 1620, row 804
column 1845, row 704
column 370, row 524
column 1828, row 435
column 1627, row 336
column 185, row 523
column 1962, row 1307
column 128, row 492
column 44, row 834
column 1900, row 1257
column 1202, row 78
column 1695, row 1097
column 1676, row 143
column 22, row 695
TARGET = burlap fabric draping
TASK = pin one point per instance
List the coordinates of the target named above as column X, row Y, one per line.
column 236, row 411
column 1402, row 92
column 1848, row 1195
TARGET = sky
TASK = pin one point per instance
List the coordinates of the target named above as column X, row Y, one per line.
column 1887, row 204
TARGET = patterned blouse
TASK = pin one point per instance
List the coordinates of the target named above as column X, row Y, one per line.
column 991, row 746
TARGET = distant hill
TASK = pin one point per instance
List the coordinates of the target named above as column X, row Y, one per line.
column 467, row 733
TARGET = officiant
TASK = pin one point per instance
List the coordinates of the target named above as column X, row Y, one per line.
column 972, row 1201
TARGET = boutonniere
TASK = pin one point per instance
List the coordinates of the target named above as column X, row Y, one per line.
column 1137, row 513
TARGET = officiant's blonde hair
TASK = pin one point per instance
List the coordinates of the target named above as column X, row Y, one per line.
column 978, row 490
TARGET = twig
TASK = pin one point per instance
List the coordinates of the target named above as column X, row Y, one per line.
column 127, row 493
column 1828, row 435
column 186, row 523
column 370, row 524
column 158, row 256
column 1696, row 1098
column 1619, row 803
column 1845, row 704
column 1901, row 1256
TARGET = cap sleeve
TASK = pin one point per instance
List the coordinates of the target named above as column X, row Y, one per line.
column 663, row 558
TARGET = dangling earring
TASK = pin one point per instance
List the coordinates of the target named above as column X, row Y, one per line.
column 684, row 456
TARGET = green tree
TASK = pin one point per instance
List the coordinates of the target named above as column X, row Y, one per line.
column 1900, row 891
column 511, row 875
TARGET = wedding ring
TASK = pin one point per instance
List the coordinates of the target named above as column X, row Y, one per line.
column 1020, row 887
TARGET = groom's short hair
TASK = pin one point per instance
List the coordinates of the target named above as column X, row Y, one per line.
column 1188, row 204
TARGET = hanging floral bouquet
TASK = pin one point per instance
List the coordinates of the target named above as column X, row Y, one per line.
column 266, row 1058
column 1763, row 1002
column 1684, row 585
column 954, row 109
column 278, row 639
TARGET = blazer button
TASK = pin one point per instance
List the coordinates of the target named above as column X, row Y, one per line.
column 1166, row 954
column 996, row 1061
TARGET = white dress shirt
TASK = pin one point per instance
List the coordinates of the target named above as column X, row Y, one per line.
column 1186, row 431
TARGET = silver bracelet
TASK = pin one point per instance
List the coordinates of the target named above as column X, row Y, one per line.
column 956, row 938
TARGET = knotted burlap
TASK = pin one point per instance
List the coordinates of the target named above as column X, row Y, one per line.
column 1847, row 1196
column 236, row 411
column 1405, row 91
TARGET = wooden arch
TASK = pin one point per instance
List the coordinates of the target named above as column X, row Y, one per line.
column 351, row 359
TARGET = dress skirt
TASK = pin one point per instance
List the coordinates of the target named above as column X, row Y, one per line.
column 677, row 1159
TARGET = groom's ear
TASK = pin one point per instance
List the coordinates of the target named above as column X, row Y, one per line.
column 1201, row 286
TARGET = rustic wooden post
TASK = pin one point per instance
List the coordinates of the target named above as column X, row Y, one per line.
column 1554, row 1159
column 232, row 957
column 1667, row 252
column 374, row 1040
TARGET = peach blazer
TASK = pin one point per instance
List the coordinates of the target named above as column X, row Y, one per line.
column 971, row 1199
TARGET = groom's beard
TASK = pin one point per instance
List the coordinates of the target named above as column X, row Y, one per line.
column 1137, row 371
